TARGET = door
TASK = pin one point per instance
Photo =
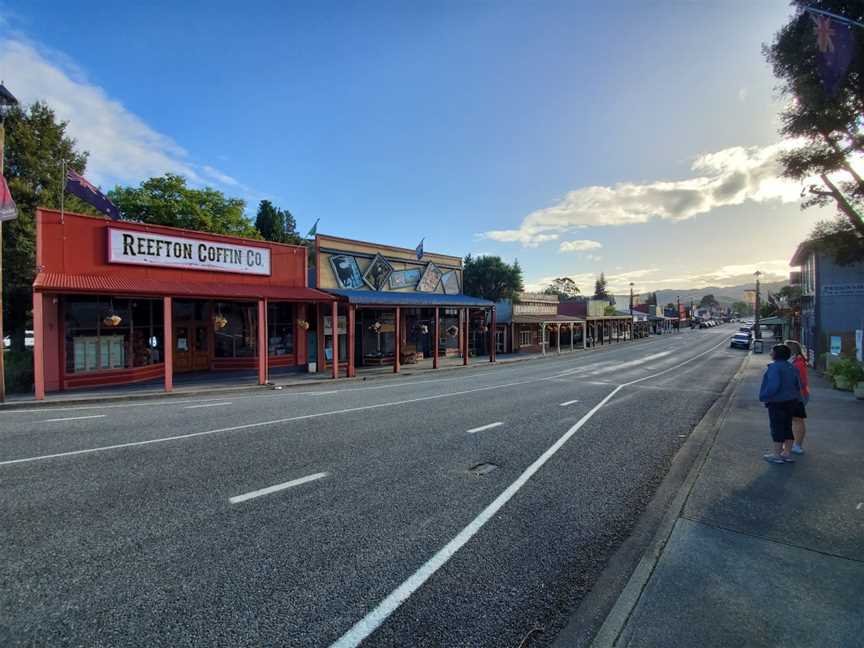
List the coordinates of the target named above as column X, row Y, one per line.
column 191, row 347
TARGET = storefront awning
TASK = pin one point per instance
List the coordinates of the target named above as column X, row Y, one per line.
column 142, row 287
column 410, row 299
column 547, row 319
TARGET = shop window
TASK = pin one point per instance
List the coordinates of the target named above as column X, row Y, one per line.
column 525, row 337
column 449, row 324
column 341, row 329
column 379, row 338
column 280, row 328
column 237, row 338
column 104, row 333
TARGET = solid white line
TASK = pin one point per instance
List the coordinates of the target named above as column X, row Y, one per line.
column 278, row 487
column 566, row 403
column 485, row 427
column 72, row 418
column 207, row 405
column 368, row 624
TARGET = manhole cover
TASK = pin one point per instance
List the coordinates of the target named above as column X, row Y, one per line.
column 482, row 469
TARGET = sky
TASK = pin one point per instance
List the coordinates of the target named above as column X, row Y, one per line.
column 635, row 138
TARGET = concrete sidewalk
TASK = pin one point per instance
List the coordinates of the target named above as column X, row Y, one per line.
column 759, row 554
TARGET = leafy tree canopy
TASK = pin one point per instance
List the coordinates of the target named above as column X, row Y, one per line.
column 742, row 308
column 708, row 301
column 563, row 287
column 839, row 240
column 36, row 146
column 491, row 278
column 167, row 200
column 600, row 289
column 277, row 225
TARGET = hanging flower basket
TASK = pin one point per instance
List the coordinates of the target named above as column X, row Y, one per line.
column 424, row 329
column 219, row 322
column 112, row 320
column 303, row 324
column 452, row 330
column 376, row 327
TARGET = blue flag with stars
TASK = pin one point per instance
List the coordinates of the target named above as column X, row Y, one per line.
column 835, row 43
column 419, row 249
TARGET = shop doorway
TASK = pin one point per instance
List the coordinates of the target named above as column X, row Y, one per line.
column 192, row 330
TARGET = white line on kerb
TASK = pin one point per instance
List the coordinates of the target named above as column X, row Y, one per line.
column 368, row 624
column 485, row 427
column 278, row 487
column 72, row 418
column 566, row 403
column 206, row 405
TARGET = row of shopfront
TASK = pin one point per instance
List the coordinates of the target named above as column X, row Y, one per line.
column 121, row 302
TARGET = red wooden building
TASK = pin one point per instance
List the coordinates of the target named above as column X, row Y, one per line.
column 120, row 302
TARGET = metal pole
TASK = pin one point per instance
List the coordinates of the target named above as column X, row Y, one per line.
column 757, row 327
column 2, row 337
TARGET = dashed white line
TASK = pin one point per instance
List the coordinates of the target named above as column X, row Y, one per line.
column 207, row 405
column 566, row 403
column 72, row 418
column 485, row 427
column 278, row 487
column 860, row 504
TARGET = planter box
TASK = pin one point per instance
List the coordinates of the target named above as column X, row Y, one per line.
column 842, row 383
column 859, row 391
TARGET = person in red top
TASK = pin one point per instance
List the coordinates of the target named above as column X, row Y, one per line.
column 799, row 428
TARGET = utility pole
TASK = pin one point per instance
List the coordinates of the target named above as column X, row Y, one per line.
column 678, row 298
column 757, row 327
column 7, row 103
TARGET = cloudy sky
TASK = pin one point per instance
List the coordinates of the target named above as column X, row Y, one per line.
column 634, row 138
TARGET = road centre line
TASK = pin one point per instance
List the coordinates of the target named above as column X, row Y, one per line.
column 73, row 418
column 348, row 410
column 278, row 487
column 485, row 427
column 208, row 405
column 369, row 623
column 570, row 402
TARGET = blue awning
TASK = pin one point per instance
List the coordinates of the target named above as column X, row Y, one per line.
column 409, row 299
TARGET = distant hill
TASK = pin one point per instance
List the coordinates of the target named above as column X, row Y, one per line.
column 723, row 294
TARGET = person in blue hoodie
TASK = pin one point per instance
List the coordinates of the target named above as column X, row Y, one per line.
column 780, row 391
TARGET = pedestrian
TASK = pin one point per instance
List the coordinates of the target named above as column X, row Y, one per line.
column 780, row 391
column 799, row 427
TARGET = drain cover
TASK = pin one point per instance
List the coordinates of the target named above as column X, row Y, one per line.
column 482, row 469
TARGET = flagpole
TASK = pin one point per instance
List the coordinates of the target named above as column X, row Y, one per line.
column 838, row 18
column 62, row 188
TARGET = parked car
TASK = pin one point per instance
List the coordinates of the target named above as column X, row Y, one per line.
column 744, row 329
column 740, row 341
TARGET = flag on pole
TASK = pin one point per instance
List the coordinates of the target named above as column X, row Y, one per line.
column 836, row 44
column 419, row 249
column 8, row 210
column 314, row 231
column 78, row 186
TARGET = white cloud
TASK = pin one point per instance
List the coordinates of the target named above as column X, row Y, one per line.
column 742, row 94
column 579, row 246
column 122, row 147
column 728, row 177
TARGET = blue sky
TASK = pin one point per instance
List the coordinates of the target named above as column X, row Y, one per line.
column 508, row 128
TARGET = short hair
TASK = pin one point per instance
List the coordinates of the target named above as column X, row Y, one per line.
column 781, row 352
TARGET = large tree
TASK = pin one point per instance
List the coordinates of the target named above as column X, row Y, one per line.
column 600, row 289
column 167, row 200
column 277, row 225
column 563, row 287
column 708, row 301
column 491, row 278
column 36, row 146
column 824, row 118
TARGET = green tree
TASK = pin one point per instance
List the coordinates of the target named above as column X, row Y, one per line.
column 708, row 301
column 167, row 200
column 36, row 146
column 829, row 126
column 600, row 289
column 742, row 308
column 491, row 278
column 563, row 287
column 839, row 240
column 277, row 225
column 609, row 310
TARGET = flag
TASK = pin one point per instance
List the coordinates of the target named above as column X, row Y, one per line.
column 314, row 231
column 835, row 43
column 419, row 249
column 8, row 210
column 78, row 186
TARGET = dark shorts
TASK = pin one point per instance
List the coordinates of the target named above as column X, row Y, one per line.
column 799, row 411
column 780, row 418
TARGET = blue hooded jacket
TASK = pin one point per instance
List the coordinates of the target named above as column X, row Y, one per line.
column 780, row 382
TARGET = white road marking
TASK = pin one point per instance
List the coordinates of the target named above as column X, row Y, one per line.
column 485, row 427
column 566, row 403
column 860, row 504
column 207, row 405
column 303, row 417
column 368, row 624
column 73, row 418
column 278, row 487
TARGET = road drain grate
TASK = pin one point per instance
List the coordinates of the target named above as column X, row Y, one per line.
column 482, row 469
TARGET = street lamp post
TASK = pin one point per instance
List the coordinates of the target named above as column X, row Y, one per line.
column 7, row 103
column 757, row 327
column 678, row 298
column 632, row 326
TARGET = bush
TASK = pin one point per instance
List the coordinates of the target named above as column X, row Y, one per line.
column 848, row 368
column 19, row 371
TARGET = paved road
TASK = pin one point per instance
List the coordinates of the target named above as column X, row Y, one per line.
column 148, row 524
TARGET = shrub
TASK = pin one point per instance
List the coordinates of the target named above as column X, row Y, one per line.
column 848, row 368
column 19, row 371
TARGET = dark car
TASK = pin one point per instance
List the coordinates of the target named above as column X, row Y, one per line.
column 740, row 341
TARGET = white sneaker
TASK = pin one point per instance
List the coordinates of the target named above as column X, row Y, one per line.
column 797, row 449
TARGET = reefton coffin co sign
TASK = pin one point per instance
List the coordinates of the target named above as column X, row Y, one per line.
column 147, row 248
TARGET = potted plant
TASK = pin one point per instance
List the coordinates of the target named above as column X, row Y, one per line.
column 846, row 374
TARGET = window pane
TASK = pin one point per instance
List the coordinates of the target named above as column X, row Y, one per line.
column 280, row 328
column 237, row 338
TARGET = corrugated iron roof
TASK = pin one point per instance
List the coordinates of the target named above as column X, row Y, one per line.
column 416, row 299
column 123, row 285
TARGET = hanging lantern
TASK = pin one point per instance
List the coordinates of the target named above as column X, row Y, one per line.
column 452, row 330
column 219, row 322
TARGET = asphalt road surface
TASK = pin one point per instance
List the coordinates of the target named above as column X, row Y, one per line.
column 348, row 513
